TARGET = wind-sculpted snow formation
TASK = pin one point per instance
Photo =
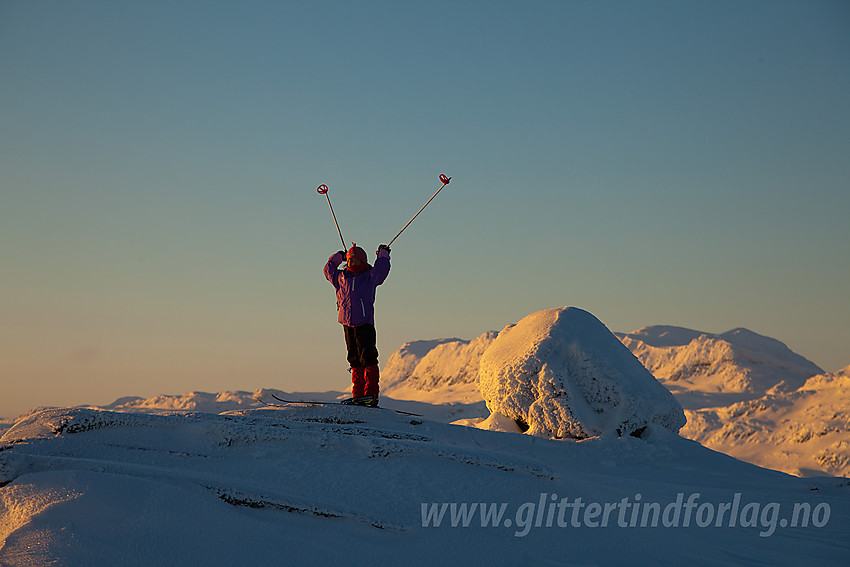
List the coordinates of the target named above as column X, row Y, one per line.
column 564, row 374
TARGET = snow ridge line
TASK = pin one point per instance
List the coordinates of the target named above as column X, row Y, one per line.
column 407, row 443
column 494, row 464
column 376, row 433
column 239, row 499
column 338, row 426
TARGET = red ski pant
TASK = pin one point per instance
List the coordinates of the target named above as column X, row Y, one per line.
column 363, row 358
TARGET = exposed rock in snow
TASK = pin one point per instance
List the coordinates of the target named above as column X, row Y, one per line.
column 707, row 370
column 564, row 374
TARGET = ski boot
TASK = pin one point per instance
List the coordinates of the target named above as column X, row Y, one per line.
column 365, row 401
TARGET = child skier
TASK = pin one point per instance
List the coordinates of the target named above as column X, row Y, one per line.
column 355, row 299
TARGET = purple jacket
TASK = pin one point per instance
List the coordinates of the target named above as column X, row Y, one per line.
column 355, row 293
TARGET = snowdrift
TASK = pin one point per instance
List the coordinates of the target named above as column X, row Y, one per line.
column 564, row 374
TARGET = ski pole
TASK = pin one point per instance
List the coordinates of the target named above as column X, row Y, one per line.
column 445, row 181
column 323, row 190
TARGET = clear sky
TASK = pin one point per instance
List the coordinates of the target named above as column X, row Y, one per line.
column 679, row 162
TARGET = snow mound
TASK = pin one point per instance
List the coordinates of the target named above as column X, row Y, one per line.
column 562, row 373
column 707, row 370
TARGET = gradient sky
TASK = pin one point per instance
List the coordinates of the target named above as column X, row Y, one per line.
column 682, row 163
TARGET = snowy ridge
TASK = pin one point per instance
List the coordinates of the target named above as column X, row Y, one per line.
column 306, row 485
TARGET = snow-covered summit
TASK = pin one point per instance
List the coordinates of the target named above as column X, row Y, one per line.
column 564, row 374
column 708, row 370
column 436, row 371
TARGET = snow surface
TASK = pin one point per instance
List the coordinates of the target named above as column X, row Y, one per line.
column 341, row 485
column 564, row 374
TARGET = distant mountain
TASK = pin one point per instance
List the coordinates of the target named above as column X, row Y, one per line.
column 195, row 401
column 752, row 397
column 437, row 371
column 708, row 370
column 804, row 432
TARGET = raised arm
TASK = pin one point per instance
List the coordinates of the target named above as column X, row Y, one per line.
column 333, row 263
column 381, row 269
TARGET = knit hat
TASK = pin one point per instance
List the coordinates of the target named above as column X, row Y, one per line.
column 357, row 252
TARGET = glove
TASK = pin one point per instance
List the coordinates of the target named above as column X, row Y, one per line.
column 383, row 247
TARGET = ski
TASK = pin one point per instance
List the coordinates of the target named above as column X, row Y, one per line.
column 318, row 403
